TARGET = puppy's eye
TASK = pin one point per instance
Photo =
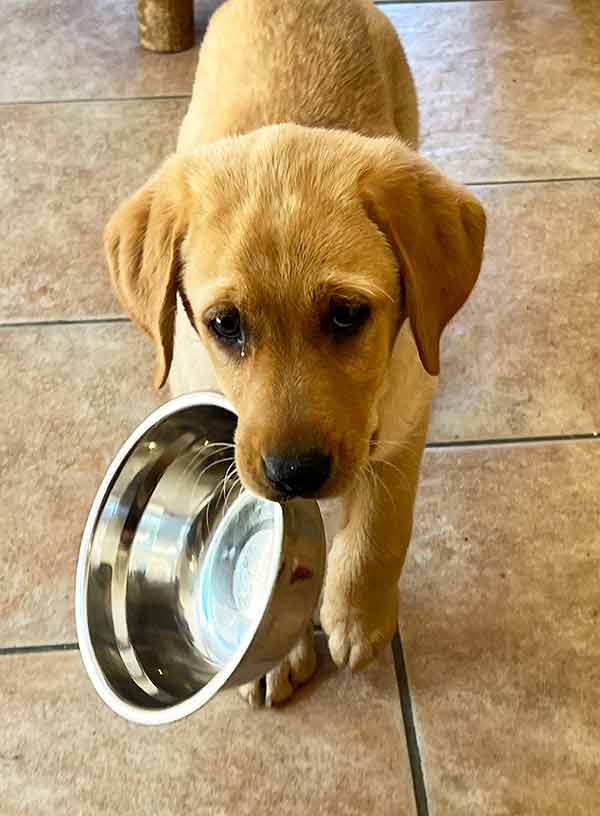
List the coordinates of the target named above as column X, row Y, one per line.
column 226, row 325
column 347, row 316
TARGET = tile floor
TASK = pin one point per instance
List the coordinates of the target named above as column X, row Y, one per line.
column 489, row 704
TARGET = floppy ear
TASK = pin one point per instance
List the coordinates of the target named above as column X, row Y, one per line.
column 142, row 242
column 436, row 229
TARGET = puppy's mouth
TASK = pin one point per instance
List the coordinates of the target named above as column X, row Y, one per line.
column 265, row 491
column 336, row 486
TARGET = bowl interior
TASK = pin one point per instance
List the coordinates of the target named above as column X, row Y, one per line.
column 233, row 583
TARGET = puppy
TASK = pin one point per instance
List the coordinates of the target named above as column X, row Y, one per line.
column 297, row 254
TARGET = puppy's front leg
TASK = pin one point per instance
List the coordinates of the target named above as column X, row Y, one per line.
column 360, row 601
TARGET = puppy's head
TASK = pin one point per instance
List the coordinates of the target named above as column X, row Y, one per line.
column 298, row 253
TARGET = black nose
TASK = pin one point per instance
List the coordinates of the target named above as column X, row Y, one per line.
column 297, row 474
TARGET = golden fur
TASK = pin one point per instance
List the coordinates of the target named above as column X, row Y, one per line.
column 296, row 182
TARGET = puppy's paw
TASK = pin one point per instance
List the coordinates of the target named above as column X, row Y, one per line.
column 281, row 682
column 358, row 634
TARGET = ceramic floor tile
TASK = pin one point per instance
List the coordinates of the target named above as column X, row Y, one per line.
column 499, row 618
column 338, row 750
column 69, row 396
column 507, row 89
column 520, row 358
column 74, row 50
column 63, row 169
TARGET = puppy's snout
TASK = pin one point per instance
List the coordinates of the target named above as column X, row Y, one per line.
column 297, row 474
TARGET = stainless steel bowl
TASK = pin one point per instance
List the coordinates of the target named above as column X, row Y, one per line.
column 186, row 583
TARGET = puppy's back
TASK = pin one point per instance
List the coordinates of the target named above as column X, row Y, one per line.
column 320, row 63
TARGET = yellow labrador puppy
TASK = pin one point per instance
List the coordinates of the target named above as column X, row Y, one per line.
column 298, row 254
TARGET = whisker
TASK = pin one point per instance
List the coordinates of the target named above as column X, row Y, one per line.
column 199, row 452
column 236, row 482
column 195, row 458
column 373, row 287
column 228, row 476
column 377, row 478
column 377, row 482
column 198, row 478
column 408, row 446
column 403, row 477
column 407, row 450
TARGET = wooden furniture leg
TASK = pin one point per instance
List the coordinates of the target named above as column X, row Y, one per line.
column 166, row 25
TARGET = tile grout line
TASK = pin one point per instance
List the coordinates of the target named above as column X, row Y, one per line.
column 516, row 440
column 412, row 743
column 524, row 182
column 66, row 321
column 6, row 103
column 40, row 649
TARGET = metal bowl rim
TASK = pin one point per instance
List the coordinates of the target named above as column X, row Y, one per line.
column 130, row 711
